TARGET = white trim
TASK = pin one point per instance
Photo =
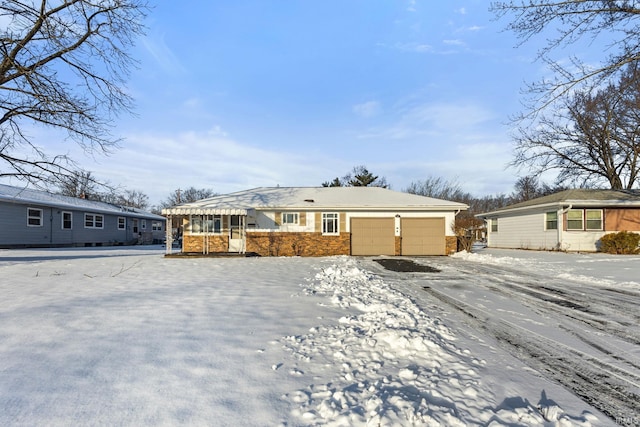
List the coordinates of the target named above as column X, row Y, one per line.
column 94, row 221
column 325, row 220
column 70, row 220
column 39, row 217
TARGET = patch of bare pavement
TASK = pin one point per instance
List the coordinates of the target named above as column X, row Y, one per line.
column 579, row 334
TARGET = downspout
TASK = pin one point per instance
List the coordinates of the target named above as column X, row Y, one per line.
column 51, row 226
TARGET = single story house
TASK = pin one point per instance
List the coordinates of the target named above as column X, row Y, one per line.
column 570, row 220
column 32, row 218
column 317, row 221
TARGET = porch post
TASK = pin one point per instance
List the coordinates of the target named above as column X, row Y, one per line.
column 168, row 234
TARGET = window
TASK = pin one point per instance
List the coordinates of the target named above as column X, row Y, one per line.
column 156, row 226
column 290, row 218
column 594, row 219
column 584, row 219
column 143, row 224
column 67, row 220
column 205, row 224
column 122, row 223
column 93, row 221
column 34, row 217
column 551, row 221
column 494, row 225
column 574, row 219
column 330, row 223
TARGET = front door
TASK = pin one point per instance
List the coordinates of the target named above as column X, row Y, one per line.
column 236, row 234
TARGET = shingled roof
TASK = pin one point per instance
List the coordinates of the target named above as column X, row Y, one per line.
column 309, row 198
column 580, row 196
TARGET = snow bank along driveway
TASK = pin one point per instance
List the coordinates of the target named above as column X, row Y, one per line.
column 112, row 336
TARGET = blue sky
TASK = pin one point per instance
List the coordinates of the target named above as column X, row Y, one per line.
column 238, row 94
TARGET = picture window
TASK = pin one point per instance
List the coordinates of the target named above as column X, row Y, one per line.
column 330, row 224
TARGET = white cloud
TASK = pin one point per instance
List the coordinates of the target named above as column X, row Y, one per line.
column 156, row 46
column 454, row 42
column 367, row 109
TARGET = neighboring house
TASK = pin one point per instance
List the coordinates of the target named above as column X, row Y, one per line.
column 31, row 218
column 571, row 220
column 318, row 221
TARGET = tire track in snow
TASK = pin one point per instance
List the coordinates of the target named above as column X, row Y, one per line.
column 608, row 387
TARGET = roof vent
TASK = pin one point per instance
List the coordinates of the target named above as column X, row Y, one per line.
column 309, row 200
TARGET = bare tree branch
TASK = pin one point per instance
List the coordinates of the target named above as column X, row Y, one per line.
column 63, row 65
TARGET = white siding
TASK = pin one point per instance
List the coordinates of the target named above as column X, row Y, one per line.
column 581, row 241
column 525, row 231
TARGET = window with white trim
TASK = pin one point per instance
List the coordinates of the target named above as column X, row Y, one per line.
column 290, row 218
column 143, row 224
column 67, row 220
column 330, row 223
column 494, row 225
column 93, row 221
column 34, row 217
column 122, row 223
column 156, row 226
column 575, row 219
column 593, row 219
column 551, row 221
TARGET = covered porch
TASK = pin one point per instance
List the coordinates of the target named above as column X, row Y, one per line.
column 206, row 231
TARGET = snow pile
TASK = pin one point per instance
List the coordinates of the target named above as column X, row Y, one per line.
column 397, row 365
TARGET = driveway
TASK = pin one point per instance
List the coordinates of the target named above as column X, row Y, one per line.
column 582, row 333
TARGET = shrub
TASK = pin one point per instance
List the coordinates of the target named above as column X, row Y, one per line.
column 623, row 242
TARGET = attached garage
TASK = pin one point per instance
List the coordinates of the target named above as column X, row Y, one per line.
column 372, row 236
column 423, row 236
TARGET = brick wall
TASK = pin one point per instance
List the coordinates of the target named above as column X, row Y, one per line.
column 297, row 244
column 451, row 244
column 196, row 243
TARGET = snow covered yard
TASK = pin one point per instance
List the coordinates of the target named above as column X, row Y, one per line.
column 124, row 336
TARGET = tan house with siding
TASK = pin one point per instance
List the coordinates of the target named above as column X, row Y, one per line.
column 571, row 220
column 317, row 221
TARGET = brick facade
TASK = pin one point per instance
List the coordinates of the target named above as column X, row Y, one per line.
column 298, row 244
column 451, row 244
column 196, row 243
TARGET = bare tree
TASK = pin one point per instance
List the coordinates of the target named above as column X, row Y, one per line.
column 63, row 65
column 78, row 184
column 189, row 195
column 594, row 138
column 439, row 188
column 358, row 177
column 617, row 22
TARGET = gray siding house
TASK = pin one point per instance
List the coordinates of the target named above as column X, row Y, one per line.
column 31, row 218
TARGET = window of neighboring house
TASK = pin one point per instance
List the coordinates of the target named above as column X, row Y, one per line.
column 330, row 224
column 156, row 226
column 143, row 224
column 494, row 225
column 593, row 219
column 34, row 217
column 290, row 218
column 67, row 220
column 574, row 219
column 93, row 221
column 551, row 222
column 122, row 223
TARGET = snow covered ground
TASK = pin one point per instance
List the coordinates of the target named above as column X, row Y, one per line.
column 125, row 336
